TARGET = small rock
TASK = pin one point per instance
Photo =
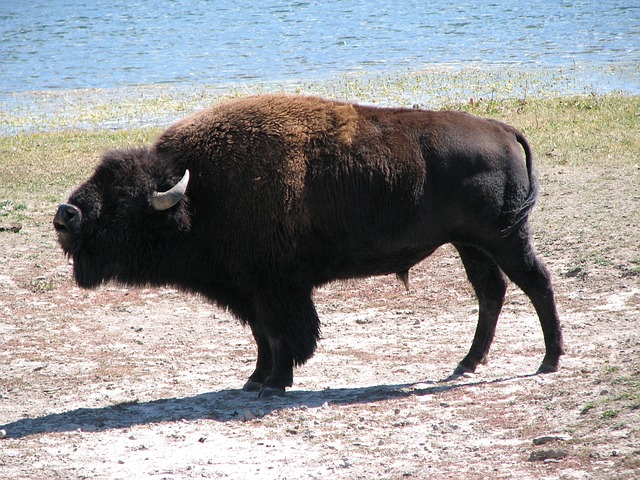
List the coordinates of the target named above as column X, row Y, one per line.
column 11, row 228
column 551, row 438
column 542, row 455
column 574, row 272
column 248, row 415
column 3, row 434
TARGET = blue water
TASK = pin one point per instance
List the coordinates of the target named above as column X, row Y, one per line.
column 70, row 44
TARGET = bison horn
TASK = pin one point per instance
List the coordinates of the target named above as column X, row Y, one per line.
column 166, row 200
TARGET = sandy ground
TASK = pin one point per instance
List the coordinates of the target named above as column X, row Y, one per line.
column 120, row 383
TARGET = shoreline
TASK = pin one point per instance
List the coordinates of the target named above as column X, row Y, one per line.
column 431, row 87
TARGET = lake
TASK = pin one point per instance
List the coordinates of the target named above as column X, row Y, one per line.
column 74, row 44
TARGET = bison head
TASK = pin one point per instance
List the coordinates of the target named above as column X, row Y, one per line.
column 122, row 222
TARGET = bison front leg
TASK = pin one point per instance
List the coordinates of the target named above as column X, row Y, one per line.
column 263, row 364
column 490, row 287
column 287, row 329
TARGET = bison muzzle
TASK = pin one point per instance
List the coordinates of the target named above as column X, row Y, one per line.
column 254, row 202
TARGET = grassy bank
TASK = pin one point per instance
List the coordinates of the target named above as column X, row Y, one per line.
column 580, row 131
column 42, row 166
column 141, row 106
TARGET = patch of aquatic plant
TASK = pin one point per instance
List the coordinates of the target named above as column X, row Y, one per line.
column 160, row 105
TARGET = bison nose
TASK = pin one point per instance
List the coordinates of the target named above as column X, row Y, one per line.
column 67, row 218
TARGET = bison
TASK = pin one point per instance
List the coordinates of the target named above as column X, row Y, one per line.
column 254, row 202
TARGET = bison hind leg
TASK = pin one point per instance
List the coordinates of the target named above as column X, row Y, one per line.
column 521, row 264
column 490, row 286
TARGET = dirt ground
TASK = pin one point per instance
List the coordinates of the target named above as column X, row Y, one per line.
column 125, row 384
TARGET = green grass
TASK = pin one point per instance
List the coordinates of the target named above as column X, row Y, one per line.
column 622, row 398
column 41, row 166
column 600, row 130
column 12, row 209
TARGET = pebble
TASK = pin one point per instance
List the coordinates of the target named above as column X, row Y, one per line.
column 551, row 438
column 11, row 227
column 542, row 455
column 248, row 415
column 3, row 434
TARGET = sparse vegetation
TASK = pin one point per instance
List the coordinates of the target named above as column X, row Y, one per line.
column 153, row 105
column 563, row 131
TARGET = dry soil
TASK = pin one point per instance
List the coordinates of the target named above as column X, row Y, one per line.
column 122, row 383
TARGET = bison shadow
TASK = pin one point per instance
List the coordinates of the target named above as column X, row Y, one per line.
column 223, row 406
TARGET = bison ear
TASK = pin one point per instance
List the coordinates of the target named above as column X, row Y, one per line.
column 166, row 200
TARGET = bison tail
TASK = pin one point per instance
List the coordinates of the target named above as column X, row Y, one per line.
column 522, row 213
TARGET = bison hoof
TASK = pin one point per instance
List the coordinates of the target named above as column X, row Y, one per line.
column 268, row 392
column 545, row 368
column 460, row 370
column 252, row 386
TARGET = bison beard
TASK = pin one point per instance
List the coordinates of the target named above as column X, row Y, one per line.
column 286, row 193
